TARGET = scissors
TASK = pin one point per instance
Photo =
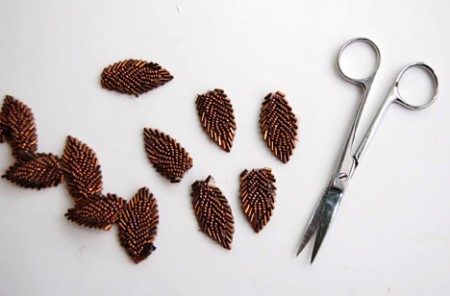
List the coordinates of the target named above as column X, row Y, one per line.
column 350, row 158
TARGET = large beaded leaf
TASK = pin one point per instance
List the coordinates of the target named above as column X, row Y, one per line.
column 138, row 225
column 36, row 171
column 278, row 125
column 168, row 157
column 97, row 211
column 257, row 194
column 18, row 127
column 134, row 77
column 217, row 117
column 213, row 212
column 81, row 170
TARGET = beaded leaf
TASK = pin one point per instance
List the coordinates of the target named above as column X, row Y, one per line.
column 168, row 157
column 257, row 194
column 134, row 77
column 217, row 117
column 213, row 212
column 278, row 125
column 18, row 127
column 138, row 225
column 97, row 211
column 36, row 171
column 81, row 170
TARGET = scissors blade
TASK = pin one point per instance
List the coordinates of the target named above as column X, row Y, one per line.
column 313, row 225
column 332, row 200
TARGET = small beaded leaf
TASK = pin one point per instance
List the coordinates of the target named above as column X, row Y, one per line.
column 217, row 117
column 36, row 171
column 138, row 225
column 81, row 170
column 18, row 127
column 134, row 77
column 278, row 125
column 258, row 196
column 97, row 211
column 213, row 212
column 168, row 157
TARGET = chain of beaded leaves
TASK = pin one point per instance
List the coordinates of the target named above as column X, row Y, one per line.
column 138, row 218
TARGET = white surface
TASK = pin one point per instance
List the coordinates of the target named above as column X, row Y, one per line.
column 392, row 232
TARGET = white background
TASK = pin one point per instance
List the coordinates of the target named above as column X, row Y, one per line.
column 392, row 233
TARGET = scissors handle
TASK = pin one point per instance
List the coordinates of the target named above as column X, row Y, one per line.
column 394, row 96
column 398, row 97
column 345, row 165
column 362, row 82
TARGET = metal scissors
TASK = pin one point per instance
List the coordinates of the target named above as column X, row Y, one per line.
column 350, row 158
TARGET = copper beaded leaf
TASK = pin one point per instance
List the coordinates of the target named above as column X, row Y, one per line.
column 134, row 77
column 213, row 212
column 258, row 196
column 18, row 127
column 81, row 170
column 278, row 125
column 97, row 211
column 217, row 117
column 168, row 157
column 138, row 225
column 36, row 171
